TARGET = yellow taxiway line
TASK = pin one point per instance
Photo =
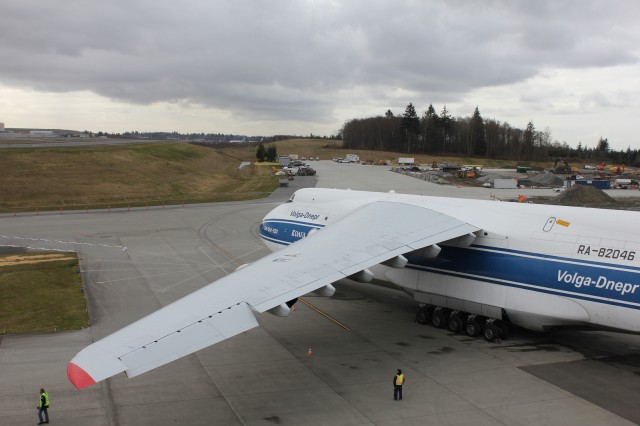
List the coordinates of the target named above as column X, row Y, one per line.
column 327, row 316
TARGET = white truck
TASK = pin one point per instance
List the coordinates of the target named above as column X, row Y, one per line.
column 624, row 183
column 352, row 158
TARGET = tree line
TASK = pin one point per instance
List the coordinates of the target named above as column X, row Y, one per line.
column 442, row 134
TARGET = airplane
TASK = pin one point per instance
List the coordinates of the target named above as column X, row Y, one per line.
column 474, row 266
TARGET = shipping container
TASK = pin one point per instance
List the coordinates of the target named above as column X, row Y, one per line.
column 600, row 184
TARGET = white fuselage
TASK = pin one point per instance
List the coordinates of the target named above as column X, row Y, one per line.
column 541, row 266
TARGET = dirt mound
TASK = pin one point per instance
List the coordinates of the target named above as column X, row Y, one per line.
column 546, row 179
column 583, row 195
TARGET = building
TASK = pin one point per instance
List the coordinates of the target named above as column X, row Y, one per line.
column 41, row 133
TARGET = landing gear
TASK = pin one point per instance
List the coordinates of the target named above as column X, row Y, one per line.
column 457, row 321
column 495, row 330
column 504, row 329
column 491, row 332
column 439, row 317
column 423, row 314
column 492, row 329
column 474, row 326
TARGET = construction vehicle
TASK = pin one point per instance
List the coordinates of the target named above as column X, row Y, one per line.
column 306, row 171
column 618, row 170
column 563, row 167
column 468, row 172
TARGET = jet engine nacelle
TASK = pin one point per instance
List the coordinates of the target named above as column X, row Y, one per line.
column 364, row 276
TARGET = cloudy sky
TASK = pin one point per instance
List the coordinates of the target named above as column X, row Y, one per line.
column 300, row 67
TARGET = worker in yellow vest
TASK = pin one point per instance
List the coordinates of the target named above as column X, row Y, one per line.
column 398, row 381
column 43, row 406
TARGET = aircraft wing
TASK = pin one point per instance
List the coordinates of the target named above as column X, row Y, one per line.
column 370, row 235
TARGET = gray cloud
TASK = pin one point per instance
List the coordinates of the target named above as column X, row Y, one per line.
column 289, row 60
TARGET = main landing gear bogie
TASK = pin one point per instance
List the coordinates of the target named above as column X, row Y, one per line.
column 458, row 321
column 492, row 329
column 439, row 317
column 423, row 315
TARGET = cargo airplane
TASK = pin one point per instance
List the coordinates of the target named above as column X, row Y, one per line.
column 474, row 266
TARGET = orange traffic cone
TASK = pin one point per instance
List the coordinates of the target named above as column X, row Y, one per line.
column 309, row 352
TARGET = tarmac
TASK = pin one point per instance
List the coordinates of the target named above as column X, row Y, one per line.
column 331, row 362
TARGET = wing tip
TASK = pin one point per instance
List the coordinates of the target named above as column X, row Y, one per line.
column 78, row 377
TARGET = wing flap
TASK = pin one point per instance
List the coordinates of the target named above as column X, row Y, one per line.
column 192, row 338
column 104, row 358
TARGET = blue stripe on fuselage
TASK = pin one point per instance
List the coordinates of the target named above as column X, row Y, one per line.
column 582, row 279
column 286, row 231
column 557, row 275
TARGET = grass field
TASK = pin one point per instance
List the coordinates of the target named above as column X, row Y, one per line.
column 153, row 174
column 41, row 293
column 117, row 176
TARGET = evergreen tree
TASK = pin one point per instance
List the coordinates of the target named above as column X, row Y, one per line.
column 410, row 125
column 478, row 142
column 430, row 123
column 446, row 124
column 261, row 153
column 528, row 141
column 603, row 145
column 388, row 114
column 272, row 154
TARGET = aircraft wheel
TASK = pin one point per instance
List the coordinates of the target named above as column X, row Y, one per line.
column 438, row 319
column 456, row 324
column 504, row 329
column 422, row 316
column 473, row 327
column 490, row 332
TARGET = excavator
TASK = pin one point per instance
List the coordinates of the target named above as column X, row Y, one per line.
column 618, row 170
column 563, row 167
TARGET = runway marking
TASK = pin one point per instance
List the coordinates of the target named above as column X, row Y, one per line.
column 186, row 279
column 327, row 316
column 168, row 256
column 156, row 275
column 247, row 254
column 201, row 250
column 59, row 242
column 186, row 265
column 229, row 255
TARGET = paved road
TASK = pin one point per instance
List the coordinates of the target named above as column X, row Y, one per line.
column 264, row 376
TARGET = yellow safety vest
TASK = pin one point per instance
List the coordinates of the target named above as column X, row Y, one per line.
column 46, row 399
column 399, row 379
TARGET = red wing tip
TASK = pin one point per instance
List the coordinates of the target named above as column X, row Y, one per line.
column 78, row 377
